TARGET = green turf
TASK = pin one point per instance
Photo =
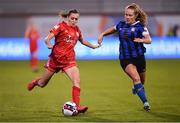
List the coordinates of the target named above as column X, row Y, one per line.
column 105, row 89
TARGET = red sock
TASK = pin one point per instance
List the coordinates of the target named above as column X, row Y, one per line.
column 76, row 95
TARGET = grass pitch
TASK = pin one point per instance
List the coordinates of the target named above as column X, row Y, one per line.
column 106, row 89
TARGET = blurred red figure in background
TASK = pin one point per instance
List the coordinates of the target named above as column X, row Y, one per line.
column 33, row 35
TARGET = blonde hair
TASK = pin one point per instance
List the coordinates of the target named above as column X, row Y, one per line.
column 139, row 13
column 66, row 13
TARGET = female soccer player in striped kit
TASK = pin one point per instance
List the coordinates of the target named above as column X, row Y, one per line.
column 62, row 57
column 132, row 35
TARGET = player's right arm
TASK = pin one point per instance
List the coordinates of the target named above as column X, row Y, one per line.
column 52, row 33
column 48, row 40
column 109, row 31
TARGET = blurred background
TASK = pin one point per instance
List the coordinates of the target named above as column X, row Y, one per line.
column 96, row 16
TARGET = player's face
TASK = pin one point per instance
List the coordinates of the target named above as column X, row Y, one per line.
column 129, row 16
column 73, row 19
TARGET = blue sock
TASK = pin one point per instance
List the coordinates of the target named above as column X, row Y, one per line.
column 140, row 92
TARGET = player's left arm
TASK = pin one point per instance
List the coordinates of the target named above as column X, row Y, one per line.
column 146, row 37
column 87, row 43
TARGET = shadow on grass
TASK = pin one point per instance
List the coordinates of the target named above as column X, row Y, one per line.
column 90, row 116
column 53, row 116
column 86, row 117
column 166, row 116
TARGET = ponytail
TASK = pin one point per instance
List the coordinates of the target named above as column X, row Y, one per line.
column 64, row 13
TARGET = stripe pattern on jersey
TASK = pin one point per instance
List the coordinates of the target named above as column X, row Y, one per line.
column 128, row 48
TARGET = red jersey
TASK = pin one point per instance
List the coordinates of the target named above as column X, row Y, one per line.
column 66, row 38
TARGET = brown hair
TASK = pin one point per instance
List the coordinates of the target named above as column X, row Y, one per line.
column 66, row 13
column 139, row 13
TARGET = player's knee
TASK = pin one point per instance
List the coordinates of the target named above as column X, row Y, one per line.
column 136, row 79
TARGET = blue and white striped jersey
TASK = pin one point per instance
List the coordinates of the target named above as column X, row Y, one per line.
column 128, row 48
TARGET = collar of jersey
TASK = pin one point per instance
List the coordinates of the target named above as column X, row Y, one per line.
column 135, row 23
column 68, row 25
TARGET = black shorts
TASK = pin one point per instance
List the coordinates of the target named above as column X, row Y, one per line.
column 139, row 62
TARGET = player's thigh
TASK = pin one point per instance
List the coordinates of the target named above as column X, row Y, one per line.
column 132, row 72
column 73, row 73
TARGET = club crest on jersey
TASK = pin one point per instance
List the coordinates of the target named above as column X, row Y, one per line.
column 132, row 29
column 68, row 38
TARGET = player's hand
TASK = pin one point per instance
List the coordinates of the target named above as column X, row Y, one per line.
column 96, row 46
column 139, row 40
column 100, row 39
column 50, row 46
column 48, row 40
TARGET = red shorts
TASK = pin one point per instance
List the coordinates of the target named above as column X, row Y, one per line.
column 56, row 65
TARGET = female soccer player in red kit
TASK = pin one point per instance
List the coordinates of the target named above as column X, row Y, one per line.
column 33, row 35
column 62, row 57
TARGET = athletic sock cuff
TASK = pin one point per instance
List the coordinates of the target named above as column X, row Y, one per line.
column 138, row 87
column 76, row 88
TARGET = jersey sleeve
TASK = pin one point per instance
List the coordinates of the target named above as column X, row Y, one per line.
column 119, row 25
column 145, row 32
column 56, row 29
column 116, row 27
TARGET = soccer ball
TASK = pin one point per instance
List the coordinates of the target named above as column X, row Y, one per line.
column 69, row 109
